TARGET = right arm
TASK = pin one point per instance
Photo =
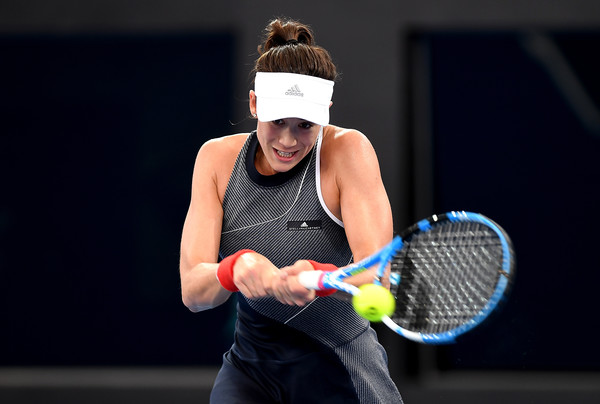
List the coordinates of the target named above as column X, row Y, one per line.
column 201, row 236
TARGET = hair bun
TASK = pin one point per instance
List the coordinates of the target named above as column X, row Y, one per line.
column 286, row 32
column 289, row 46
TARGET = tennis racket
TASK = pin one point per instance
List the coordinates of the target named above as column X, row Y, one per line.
column 448, row 273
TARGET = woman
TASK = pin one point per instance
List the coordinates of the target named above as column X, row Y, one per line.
column 294, row 190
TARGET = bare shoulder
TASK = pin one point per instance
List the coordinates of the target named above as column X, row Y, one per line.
column 220, row 153
column 346, row 145
column 224, row 145
column 341, row 136
column 215, row 160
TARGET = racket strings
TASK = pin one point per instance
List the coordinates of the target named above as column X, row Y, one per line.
column 447, row 276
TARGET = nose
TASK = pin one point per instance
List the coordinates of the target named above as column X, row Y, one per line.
column 287, row 139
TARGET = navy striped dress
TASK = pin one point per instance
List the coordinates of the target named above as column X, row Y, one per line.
column 321, row 352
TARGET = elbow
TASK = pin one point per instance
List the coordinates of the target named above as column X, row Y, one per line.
column 193, row 305
column 199, row 295
column 194, row 308
column 193, row 299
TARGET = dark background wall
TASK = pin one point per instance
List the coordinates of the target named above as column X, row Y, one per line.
column 476, row 105
column 100, row 132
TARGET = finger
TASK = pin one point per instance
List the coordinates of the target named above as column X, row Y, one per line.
column 284, row 295
column 278, row 289
column 299, row 266
column 299, row 293
column 251, row 287
column 303, row 299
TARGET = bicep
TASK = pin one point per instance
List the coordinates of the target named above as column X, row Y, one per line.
column 202, row 227
column 365, row 206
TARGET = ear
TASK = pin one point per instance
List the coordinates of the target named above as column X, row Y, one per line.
column 330, row 104
column 252, row 103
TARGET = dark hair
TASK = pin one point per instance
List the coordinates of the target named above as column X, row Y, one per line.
column 289, row 47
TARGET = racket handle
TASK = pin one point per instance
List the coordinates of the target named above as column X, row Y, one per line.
column 311, row 279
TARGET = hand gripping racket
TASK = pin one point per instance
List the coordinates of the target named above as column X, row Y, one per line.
column 448, row 273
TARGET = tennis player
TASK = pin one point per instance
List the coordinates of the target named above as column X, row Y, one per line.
column 296, row 194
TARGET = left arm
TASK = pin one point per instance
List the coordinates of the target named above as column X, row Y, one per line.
column 364, row 204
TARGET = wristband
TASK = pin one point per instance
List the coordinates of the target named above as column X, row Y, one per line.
column 325, row 268
column 225, row 270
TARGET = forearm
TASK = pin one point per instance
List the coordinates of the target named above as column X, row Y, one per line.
column 200, row 289
column 250, row 273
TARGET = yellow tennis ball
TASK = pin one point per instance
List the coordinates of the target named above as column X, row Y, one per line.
column 373, row 302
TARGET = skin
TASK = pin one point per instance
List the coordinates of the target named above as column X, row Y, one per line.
column 352, row 190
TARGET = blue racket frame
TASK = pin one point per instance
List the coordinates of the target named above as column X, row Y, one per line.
column 334, row 280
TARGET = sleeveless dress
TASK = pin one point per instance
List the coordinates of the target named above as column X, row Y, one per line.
column 320, row 352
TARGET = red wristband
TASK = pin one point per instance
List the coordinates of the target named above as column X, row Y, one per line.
column 225, row 270
column 325, row 268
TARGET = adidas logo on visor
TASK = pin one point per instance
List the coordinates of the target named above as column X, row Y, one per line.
column 295, row 91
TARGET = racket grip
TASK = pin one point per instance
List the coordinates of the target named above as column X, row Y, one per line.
column 314, row 280
column 323, row 289
column 311, row 279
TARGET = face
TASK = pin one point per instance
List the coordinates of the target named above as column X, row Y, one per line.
column 284, row 143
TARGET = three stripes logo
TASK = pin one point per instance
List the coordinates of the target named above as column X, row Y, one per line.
column 294, row 91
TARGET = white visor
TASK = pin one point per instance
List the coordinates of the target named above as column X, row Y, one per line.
column 291, row 95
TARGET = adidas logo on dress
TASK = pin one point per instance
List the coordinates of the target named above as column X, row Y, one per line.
column 295, row 91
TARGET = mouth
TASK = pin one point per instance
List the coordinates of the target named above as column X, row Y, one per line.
column 285, row 156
